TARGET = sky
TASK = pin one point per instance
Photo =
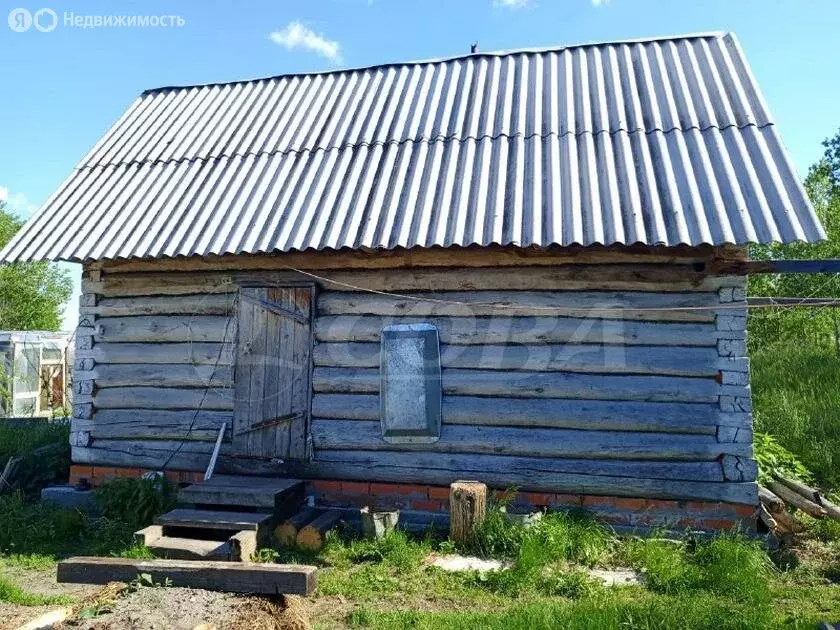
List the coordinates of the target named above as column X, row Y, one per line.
column 63, row 88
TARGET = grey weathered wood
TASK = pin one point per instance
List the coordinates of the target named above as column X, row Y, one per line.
column 272, row 384
column 522, row 330
column 662, row 360
column 620, row 415
column 665, row 480
column 196, row 304
column 163, row 329
column 140, row 374
column 180, row 455
column 740, row 468
column 214, row 519
column 154, row 424
column 773, row 503
column 524, row 303
column 796, row 500
column 812, row 494
column 618, row 277
column 226, row 490
column 188, row 353
column 266, row 579
column 366, row 435
column 181, row 548
column 534, row 385
column 164, row 398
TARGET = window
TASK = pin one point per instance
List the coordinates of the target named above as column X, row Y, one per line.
column 410, row 389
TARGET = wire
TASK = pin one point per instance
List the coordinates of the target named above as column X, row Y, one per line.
column 554, row 309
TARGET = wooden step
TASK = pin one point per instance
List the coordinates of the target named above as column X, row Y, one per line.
column 268, row 579
column 190, row 548
column 247, row 492
column 214, row 519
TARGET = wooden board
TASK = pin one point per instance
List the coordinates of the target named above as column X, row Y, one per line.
column 214, row 519
column 551, row 443
column 524, row 303
column 592, row 358
column 523, row 330
column 273, row 358
column 233, row 577
column 460, row 382
column 619, row 415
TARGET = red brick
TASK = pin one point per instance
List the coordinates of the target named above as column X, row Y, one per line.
column 566, row 499
column 700, row 506
column 321, row 485
column 537, row 499
column 615, row 519
column 745, row 511
column 355, row 487
column 718, row 523
column 688, row 523
column 630, row 504
column 128, row 472
column 105, row 473
column 593, row 501
column 426, row 506
column 81, row 471
column 439, row 493
column 659, row 504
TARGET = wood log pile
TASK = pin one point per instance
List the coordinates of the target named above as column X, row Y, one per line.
column 782, row 493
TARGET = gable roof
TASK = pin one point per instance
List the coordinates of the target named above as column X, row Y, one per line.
column 662, row 141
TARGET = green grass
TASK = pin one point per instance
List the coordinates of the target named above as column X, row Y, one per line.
column 18, row 438
column 14, row 594
column 796, row 397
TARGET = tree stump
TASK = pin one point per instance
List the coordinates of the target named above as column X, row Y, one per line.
column 467, row 508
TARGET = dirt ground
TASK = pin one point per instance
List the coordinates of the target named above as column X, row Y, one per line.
column 115, row 607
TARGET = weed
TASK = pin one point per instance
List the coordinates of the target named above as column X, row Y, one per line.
column 14, row 594
column 135, row 501
column 265, row 555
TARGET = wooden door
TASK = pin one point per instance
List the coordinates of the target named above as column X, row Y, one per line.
column 272, row 373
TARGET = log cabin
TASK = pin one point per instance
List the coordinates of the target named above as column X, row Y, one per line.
column 524, row 268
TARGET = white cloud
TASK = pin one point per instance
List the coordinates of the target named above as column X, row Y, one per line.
column 17, row 202
column 513, row 4
column 600, row 3
column 297, row 35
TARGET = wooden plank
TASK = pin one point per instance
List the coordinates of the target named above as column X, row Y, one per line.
column 160, row 375
column 189, row 353
column 275, row 382
column 164, row 398
column 214, row 519
column 188, row 455
column 155, row 424
column 301, row 301
column 619, row 277
column 534, row 385
column 222, row 490
column 234, row 577
column 570, row 443
column 522, row 330
column 161, row 329
column 685, row 361
column 475, row 256
column 549, row 413
column 602, row 304
column 664, row 480
column 195, row 304
column 254, row 436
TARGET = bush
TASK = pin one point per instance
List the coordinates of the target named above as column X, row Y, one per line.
column 44, row 446
column 136, row 502
column 773, row 457
column 797, row 401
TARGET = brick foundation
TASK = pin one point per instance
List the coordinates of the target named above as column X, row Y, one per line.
column 621, row 512
column 97, row 475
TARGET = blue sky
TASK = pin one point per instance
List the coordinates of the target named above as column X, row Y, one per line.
column 62, row 89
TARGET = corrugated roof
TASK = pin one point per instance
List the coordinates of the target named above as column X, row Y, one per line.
column 664, row 141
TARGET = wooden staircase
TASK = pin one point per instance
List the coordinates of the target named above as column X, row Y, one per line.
column 224, row 518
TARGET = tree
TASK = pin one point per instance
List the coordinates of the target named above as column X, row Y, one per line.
column 32, row 294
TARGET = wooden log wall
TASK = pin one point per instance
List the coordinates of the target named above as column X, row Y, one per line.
column 555, row 391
